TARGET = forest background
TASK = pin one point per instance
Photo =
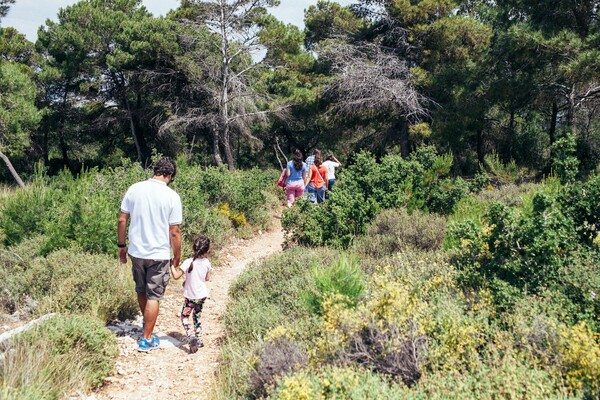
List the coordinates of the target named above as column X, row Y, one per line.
column 108, row 81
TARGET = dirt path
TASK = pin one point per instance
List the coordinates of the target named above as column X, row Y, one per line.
column 172, row 372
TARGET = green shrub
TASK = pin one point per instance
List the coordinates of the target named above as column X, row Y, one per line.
column 343, row 277
column 501, row 374
column 366, row 187
column 72, row 281
column 564, row 159
column 22, row 213
column 397, row 230
column 503, row 173
column 57, row 357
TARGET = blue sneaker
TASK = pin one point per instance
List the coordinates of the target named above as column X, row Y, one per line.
column 155, row 340
column 147, row 345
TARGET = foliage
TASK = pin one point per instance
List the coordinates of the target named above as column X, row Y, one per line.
column 367, row 187
column 18, row 113
column 57, row 357
column 335, row 383
column 532, row 249
column 278, row 357
column 343, row 277
column 266, row 305
column 69, row 281
column 581, row 359
column 82, row 211
column 397, row 230
column 564, row 161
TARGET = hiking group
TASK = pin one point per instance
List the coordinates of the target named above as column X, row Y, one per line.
column 311, row 178
column 154, row 213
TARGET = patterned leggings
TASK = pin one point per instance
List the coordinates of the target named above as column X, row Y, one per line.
column 193, row 308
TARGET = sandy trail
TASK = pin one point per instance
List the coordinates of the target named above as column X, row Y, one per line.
column 171, row 372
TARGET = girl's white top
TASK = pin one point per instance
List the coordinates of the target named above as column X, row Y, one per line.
column 194, row 287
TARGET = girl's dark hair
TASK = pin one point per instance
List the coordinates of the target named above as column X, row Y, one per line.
column 297, row 160
column 318, row 159
column 199, row 247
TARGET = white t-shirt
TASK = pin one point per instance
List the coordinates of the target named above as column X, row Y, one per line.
column 194, row 287
column 331, row 166
column 152, row 207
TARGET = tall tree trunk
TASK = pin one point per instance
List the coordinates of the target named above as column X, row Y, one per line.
column 402, row 126
column 511, row 134
column 225, row 90
column 133, row 129
column 480, row 148
column 571, row 110
column 12, row 170
column 216, row 151
column 553, row 118
column 228, row 151
column 63, row 150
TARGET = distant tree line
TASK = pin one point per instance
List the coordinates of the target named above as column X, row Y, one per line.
column 222, row 81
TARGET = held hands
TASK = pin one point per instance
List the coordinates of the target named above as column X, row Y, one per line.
column 123, row 255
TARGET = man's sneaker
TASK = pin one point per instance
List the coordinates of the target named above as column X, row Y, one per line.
column 155, row 340
column 193, row 344
column 147, row 345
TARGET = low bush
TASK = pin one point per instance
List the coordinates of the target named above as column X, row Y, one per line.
column 83, row 210
column 386, row 350
column 397, row 230
column 335, row 383
column 547, row 245
column 24, row 212
column 343, row 277
column 276, row 358
column 57, row 357
column 71, row 281
column 500, row 374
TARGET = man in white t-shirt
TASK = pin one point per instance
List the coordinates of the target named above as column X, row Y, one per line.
column 154, row 213
column 331, row 164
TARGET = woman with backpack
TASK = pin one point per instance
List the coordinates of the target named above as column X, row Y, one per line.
column 297, row 176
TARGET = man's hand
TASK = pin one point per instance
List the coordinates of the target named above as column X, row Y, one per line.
column 123, row 255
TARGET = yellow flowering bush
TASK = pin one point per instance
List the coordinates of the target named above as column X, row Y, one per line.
column 394, row 302
column 238, row 218
column 335, row 383
column 580, row 351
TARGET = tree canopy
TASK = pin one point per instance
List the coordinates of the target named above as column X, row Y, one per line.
column 223, row 81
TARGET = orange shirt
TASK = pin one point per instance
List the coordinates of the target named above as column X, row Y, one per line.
column 318, row 181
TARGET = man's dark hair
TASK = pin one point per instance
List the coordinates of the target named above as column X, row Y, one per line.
column 165, row 167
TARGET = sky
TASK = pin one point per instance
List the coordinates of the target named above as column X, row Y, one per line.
column 27, row 15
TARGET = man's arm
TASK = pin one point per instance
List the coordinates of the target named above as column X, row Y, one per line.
column 122, row 236
column 175, row 235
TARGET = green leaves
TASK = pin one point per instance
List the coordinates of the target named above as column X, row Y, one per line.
column 18, row 113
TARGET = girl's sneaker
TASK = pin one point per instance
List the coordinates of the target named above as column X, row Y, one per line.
column 147, row 345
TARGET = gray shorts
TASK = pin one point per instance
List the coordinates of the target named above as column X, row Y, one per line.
column 150, row 276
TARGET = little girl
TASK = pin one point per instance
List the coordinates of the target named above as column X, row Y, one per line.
column 196, row 272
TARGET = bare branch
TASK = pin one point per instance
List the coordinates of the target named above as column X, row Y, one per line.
column 371, row 82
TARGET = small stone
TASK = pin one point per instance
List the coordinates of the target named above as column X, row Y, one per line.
column 122, row 372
